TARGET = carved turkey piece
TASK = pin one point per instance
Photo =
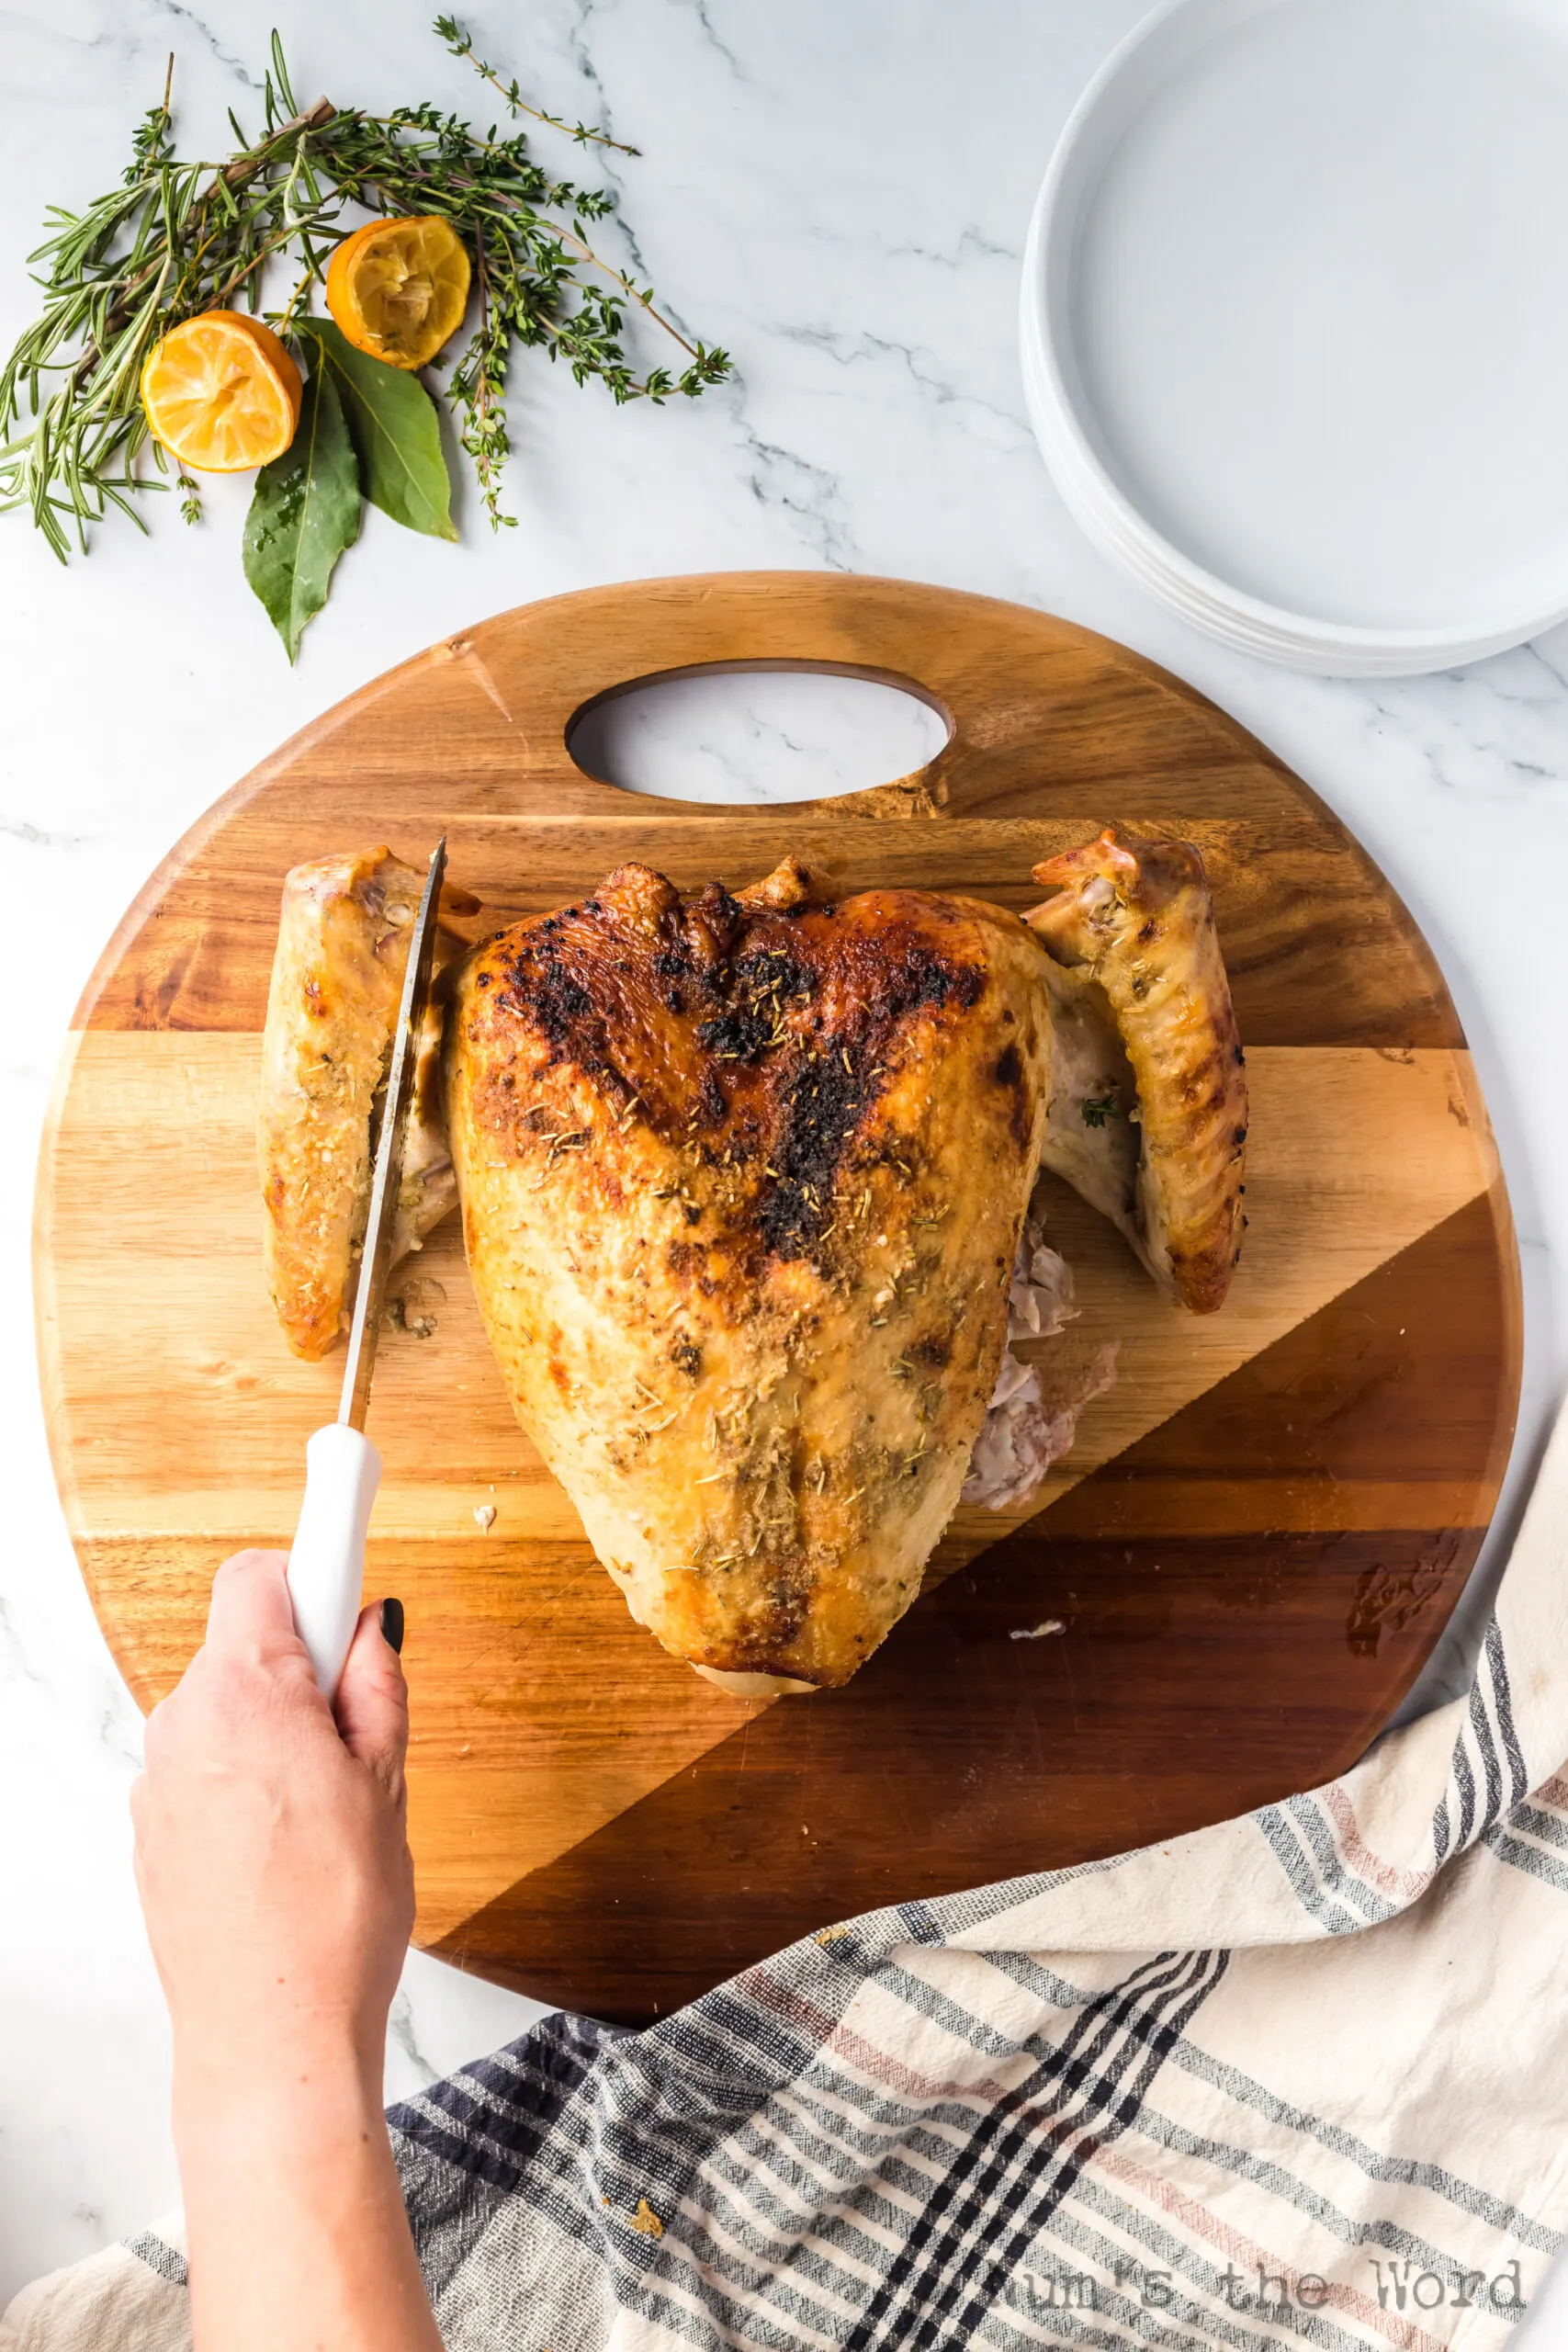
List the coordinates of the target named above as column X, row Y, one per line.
column 343, row 946
column 742, row 1182
column 1148, row 1116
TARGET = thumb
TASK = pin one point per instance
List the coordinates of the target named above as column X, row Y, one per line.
column 372, row 1703
column 250, row 1612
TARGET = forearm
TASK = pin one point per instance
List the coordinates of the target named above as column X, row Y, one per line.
column 295, row 2218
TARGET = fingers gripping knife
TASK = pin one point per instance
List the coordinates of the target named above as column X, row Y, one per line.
column 343, row 1469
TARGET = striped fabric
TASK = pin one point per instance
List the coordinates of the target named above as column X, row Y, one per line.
column 1300, row 2078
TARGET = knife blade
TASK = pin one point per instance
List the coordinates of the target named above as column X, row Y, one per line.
column 386, row 1177
column 343, row 1469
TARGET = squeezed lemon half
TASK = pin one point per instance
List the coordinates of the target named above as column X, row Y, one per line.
column 398, row 289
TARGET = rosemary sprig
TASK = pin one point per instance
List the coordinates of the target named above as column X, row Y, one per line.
column 173, row 239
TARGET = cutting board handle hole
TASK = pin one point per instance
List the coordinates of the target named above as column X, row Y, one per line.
column 747, row 733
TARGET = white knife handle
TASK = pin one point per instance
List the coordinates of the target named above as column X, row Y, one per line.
column 326, row 1566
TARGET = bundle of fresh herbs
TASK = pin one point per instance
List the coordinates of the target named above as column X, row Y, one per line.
column 175, row 241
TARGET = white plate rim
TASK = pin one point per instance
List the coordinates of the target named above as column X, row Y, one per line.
column 1110, row 518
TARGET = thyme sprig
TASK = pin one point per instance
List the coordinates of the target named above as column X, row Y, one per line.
column 172, row 239
column 461, row 45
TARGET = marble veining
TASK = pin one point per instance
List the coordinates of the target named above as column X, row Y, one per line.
column 838, row 193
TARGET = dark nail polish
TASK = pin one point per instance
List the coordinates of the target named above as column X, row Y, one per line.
column 392, row 1624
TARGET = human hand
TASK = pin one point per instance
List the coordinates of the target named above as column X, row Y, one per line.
column 271, row 1852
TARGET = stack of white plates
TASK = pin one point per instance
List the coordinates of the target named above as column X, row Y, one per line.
column 1295, row 323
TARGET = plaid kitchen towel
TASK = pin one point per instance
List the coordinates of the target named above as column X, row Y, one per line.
column 1302, row 2076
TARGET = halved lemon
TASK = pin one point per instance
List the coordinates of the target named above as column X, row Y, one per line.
column 221, row 393
column 398, row 289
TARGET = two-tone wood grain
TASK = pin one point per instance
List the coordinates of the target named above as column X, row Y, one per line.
column 1263, row 1525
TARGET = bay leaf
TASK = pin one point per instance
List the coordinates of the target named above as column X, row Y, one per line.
column 396, row 431
column 305, row 512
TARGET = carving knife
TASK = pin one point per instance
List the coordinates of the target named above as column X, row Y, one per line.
column 343, row 1469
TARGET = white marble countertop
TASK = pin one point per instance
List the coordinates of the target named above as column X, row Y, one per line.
column 838, row 192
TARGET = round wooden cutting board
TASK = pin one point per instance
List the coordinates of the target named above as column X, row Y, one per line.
column 1220, row 1594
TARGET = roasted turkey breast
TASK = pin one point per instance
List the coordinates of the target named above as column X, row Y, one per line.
column 742, row 1182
